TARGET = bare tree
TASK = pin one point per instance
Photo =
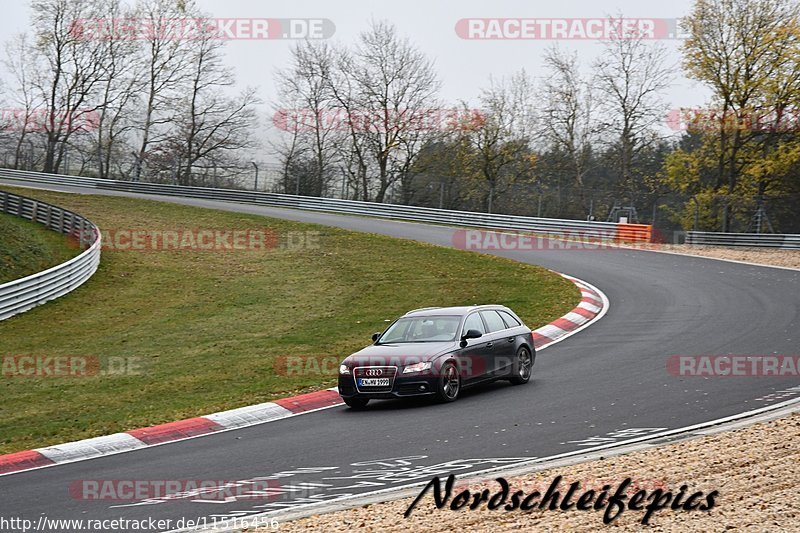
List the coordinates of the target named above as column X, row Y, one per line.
column 290, row 147
column 308, row 111
column 20, row 59
column 631, row 75
column 568, row 123
column 68, row 69
column 361, row 110
column 165, row 59
column 383, row 86
column 211, row 127
column 499, row 140
column 353, row 153
column 118, row 92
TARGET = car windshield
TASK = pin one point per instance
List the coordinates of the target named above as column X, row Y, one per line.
column 422, row 329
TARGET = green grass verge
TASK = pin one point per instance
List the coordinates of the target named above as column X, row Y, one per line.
column 207, row 328
column 28, row 247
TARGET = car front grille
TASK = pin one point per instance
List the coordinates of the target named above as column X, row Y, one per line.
column 374, row 372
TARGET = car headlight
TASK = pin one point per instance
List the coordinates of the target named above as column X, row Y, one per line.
column 343, row 369
column 418, row 367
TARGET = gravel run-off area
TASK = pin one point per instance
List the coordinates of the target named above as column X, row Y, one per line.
column 764, row 256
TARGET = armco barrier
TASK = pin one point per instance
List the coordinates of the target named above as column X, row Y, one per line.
column 584, row 229
column 22, row 294
column 759, row 240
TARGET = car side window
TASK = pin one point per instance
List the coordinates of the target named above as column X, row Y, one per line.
column 510, row 321
column 493, row 321
column 473, row 321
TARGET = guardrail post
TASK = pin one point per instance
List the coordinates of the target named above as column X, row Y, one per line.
column 82, row 231
column 5, row 202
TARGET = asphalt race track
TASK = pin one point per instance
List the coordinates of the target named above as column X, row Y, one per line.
column 608, row 382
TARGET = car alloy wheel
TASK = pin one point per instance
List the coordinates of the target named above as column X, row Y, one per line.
column 449, row 383
column 523, row 367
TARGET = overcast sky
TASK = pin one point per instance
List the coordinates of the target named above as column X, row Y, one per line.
column 464, row 65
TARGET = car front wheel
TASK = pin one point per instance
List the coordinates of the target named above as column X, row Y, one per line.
column 449, row 383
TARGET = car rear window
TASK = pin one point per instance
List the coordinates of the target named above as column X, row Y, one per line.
column 509, row 319
column 493, row 321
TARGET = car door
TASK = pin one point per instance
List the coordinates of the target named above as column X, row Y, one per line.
column 502, row 351
column 475, row 359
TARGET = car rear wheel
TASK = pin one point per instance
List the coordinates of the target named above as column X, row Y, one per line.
column 356, row 403
column 449, row 383
column 523, row 367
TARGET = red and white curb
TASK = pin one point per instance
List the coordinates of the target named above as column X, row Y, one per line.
column 163, row 433
column 592, row 307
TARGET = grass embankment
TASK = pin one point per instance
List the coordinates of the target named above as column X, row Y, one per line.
column 27, row 248
column 206, row 327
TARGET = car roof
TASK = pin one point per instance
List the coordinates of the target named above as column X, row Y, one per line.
column 456, row 310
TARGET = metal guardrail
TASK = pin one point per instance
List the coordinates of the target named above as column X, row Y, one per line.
column 756, row 240
column 25, row 293
column 584, row 229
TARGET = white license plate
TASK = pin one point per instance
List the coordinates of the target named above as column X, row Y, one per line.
column 373, row 382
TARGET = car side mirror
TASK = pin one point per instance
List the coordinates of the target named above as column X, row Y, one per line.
column 470, row 334
column 376, row 336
